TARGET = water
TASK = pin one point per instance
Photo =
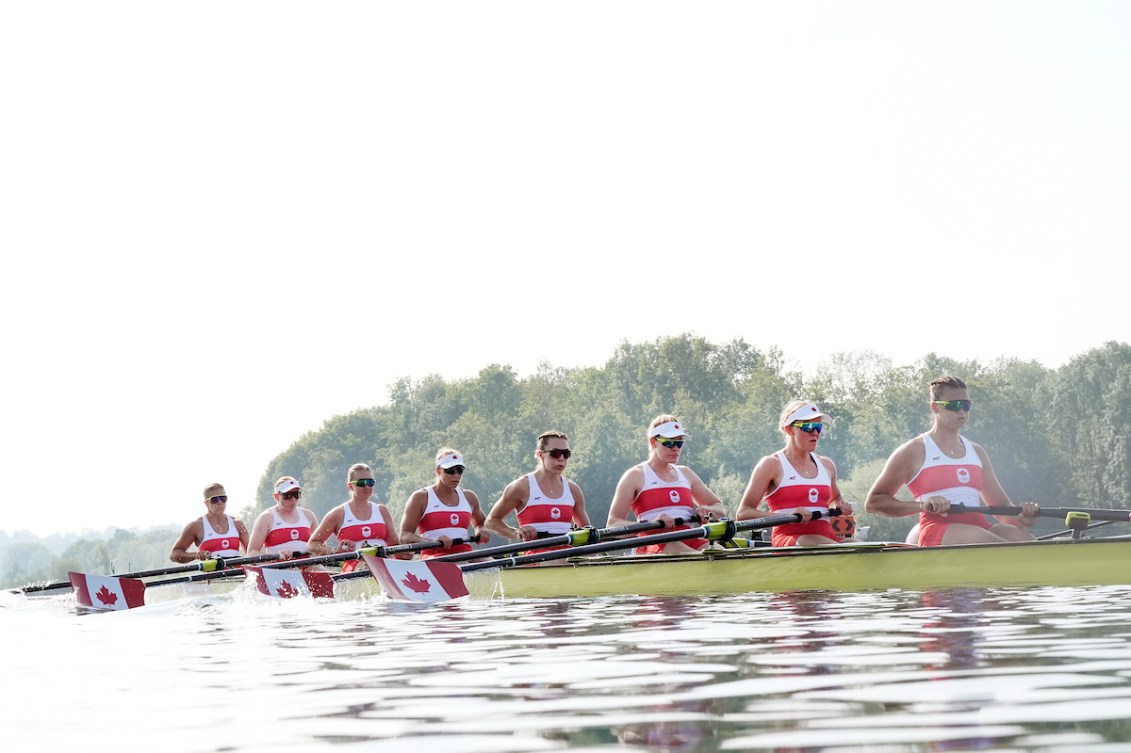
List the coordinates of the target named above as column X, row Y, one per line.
column 1017, row 670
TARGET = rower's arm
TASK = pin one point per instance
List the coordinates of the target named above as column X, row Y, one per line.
column 188, row 537
column 513, row 497
column 410, row 518
column 898, row 470
column 761, row 479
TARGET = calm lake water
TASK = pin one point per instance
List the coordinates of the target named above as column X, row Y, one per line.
column 1019, row 670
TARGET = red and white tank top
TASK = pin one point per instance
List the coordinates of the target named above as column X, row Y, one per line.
column 545, row 514
column 795, row 490
column 445, row 520
column 657, row 496
column 370, row 531
column 220, row 544
column 287, row 537
column 957, row 479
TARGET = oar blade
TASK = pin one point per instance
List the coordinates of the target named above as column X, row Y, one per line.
column 287, row 584
column 107, row 592
column 422, row 581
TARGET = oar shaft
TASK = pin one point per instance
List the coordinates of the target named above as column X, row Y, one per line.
column 711, row 531
column 1119, row 516
column 573, row 538
column 376, row 551
column 206, row 565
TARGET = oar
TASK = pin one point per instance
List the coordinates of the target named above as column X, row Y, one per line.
column 1099, row 513
column 112, row 592
column 209, row 565
column 374, row 551
column 430, row 580
column 572, row 538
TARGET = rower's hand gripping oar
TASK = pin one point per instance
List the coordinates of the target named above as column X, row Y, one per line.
column 429, row 580
column 208, row 565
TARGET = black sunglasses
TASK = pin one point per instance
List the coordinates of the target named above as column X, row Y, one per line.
column 292, row 494
column 555, row 454
column 454, row 470
column 218, row 500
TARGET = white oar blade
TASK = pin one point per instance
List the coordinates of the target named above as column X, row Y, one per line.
column 421, row 581
column 287, row 584
column 107, row 592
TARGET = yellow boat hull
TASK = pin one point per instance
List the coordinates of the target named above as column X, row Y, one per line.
column 845, row 567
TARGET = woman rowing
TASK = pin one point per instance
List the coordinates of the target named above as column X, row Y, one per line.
column 660, row 490
column 941, row 468
column 357, row 523
column 284, row 528
column 795, row 479
column 215, row 534
column 443, row 511
column 545, row 502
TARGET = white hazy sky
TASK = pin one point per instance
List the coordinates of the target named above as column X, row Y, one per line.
column 226, row 222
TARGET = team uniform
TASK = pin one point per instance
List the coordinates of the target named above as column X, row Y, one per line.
column 957, row 479
column 445, row 520
column 284, row 537
column 795, row 491
column 657, row 497
column 548, row 516
column 220, row 544
column 363, row 533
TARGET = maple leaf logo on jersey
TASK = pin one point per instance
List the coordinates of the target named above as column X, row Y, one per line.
column 225, row 544
column 673, row 495
column 455, row 519
column 286, row 591
column 294, row 534
column 813, row 494
column 964, row 475
column 366, row 531
column 416, row 584
column 106, row 596
column 555, row 513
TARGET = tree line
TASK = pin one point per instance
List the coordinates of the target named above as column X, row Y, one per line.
column 1055, row 436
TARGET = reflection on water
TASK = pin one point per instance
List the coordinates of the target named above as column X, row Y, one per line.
column 1024, row 669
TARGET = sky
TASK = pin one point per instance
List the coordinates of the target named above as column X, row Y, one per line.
column 224, row 223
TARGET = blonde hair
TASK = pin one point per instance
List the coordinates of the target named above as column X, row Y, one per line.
column 214, row 490
column 788, row 411
column 663, row 418
column 357, row 468
column 445, row 451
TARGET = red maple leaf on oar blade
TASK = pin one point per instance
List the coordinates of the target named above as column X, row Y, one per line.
column 286, row 591
column 416, row 584
column 106, row 596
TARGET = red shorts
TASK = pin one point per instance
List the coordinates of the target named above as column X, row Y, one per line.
column 696, row 544
column 788, row 534
column 933, row 527
column 441, row 551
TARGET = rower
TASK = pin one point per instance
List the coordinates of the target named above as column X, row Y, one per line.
column 661, row 490
column 444, row 511
column 284, row 528
column 545, row 503
column 215, row 534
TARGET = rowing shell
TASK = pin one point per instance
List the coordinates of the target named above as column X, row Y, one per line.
column 844, row 567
